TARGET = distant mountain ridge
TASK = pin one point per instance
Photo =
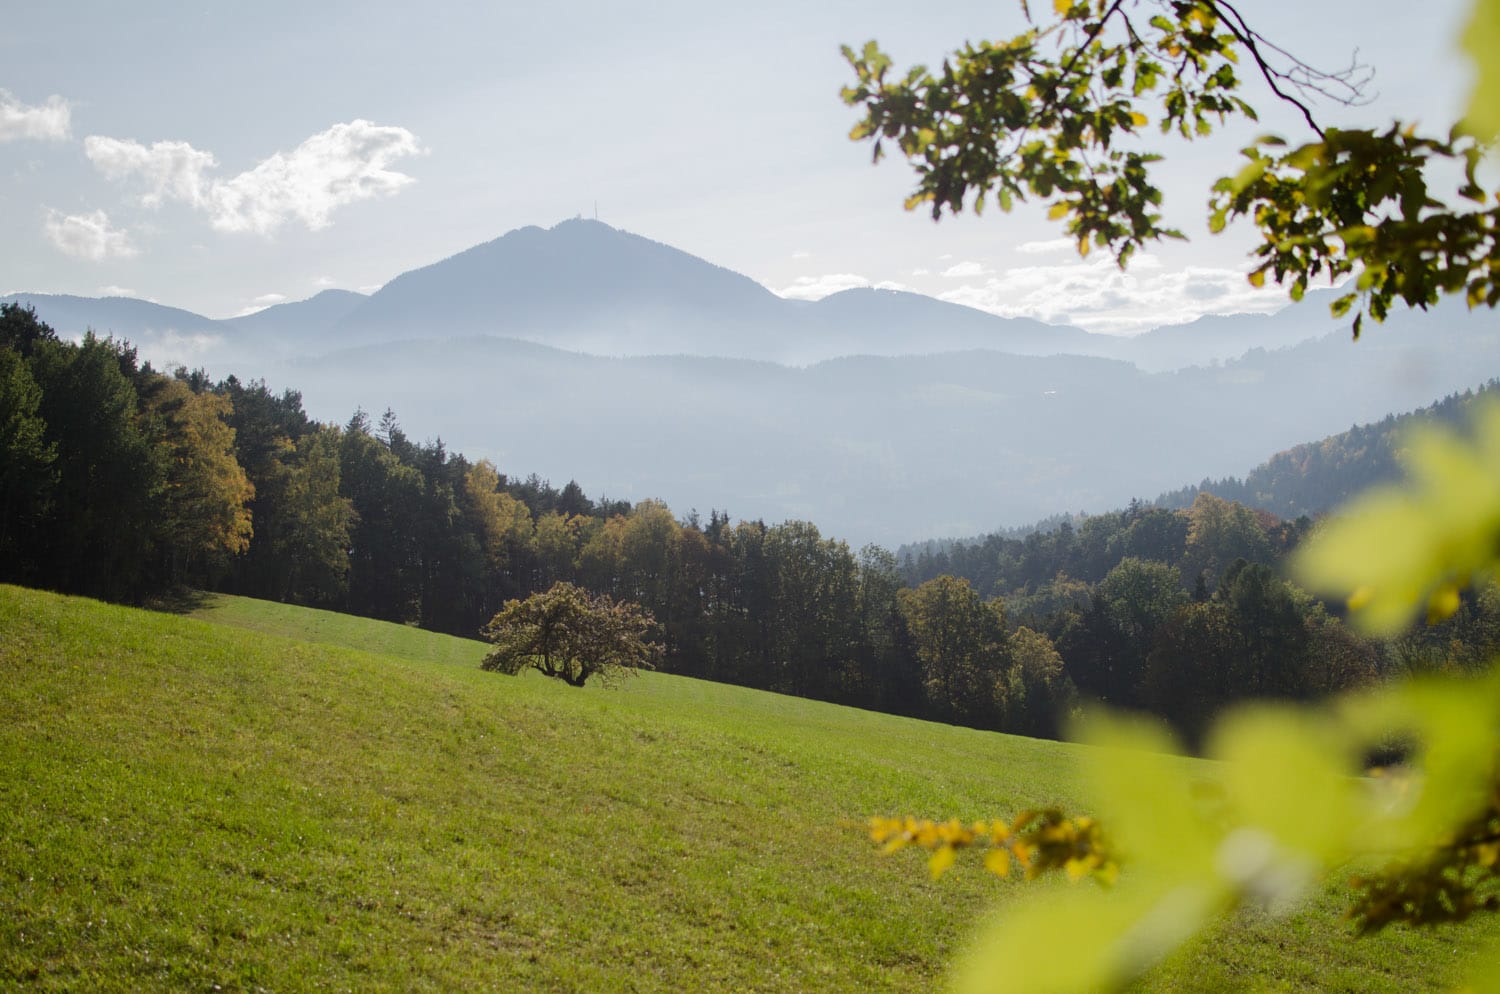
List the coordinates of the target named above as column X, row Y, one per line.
column 935, row 437
column 1317, row 477
column 584, row 286
column 888, row 449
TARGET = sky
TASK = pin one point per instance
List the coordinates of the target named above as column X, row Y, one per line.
column 224, row 157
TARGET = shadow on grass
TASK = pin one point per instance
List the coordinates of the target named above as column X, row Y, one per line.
column 180, row 600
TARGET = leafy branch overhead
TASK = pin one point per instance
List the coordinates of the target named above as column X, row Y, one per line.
column 1059, row 113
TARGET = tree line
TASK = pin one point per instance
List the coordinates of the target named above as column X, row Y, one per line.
column 122, row 482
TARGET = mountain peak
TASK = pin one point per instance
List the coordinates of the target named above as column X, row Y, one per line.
column 580, row 223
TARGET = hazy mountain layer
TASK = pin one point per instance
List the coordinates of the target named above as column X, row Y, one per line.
column 936, row 438
column 890, row 449
column 586, row 287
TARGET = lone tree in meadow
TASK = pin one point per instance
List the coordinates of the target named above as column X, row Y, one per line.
column 568, row 633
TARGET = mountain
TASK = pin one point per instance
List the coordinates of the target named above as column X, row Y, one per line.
column 869, row 321
column 584, row 286
column 580, row 285
column 1219, row 337
column 1316, row 477
column 587, row 287
column 585, row 352
column 886, row 449
column 301, row 321
column 122, row 317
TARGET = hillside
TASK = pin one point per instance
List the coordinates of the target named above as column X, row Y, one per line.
column 1317, row 477
column 186, row 805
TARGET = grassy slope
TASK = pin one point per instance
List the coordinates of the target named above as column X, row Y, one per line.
column 184, row 804
column 331, row 628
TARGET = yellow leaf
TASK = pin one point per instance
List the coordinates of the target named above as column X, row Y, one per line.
column 1138, row 119
column 1442, row 604
column 1062, row 6
column 942, row 859
column 997, row 861
column 1258, row 278
column 1057, row 210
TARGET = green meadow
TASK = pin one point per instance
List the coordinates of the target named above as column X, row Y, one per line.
column 264, row 798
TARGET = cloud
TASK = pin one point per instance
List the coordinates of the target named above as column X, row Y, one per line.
column 87, row 236
column 818, row 287
column 323, row 281
column 116, row 291
column 343, row 165
column 48, row 122
column 259, row 304
column 173, row 170
column 1048, row 246
column 965, row 269
column 1096, row 296
column 801, row 254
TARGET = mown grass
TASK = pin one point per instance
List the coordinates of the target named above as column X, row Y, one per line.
column 331, row 628
column 186, row 805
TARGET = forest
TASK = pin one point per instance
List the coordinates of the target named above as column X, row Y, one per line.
column 125, row 483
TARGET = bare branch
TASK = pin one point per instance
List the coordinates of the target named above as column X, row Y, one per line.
column 1345, row 86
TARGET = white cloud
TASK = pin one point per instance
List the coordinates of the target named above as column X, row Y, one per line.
column 1096, row 296
column 323, row 281
column 87, row 236
column 48, row 122
column 343, row 165
column 116, row 291
column 965, row 269
column 1047, row 247
column 818, row 287
column 801, row 254
column 170, row 169
column 172, row 348
column 259, row 304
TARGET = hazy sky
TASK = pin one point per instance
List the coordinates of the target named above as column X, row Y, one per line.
column 221, row 157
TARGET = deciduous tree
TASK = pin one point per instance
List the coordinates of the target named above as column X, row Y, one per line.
column 568, row 633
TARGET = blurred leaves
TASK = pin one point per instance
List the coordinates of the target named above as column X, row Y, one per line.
column 1481, row 40
column 1409, row 548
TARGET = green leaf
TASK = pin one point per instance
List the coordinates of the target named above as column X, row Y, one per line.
column 1304, row 817
column 1393, row 548
column 1254, row 171
column 1481, row 40
column 1083, row 940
